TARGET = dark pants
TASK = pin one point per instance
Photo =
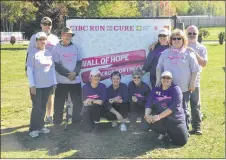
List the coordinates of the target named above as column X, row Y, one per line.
column 136, row 110
column 153, row 81
column 91, row 114
column 177, row 130
column 39, row 101
column 195, row 109
column 186, row 98
column 122, row 108
column 61, row 94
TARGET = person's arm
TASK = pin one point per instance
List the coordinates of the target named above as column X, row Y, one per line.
column 78, row 67
column 160, row 68
column 54, row 75
column 194, row 66
column 202, row 56
column 130, row 91
column 125, row 94
column 148, row 62
column 102, row 98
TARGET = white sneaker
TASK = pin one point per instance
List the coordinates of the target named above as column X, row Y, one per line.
column 44, row 130
column 114, row 123
column 34, row 134
column 123, row 127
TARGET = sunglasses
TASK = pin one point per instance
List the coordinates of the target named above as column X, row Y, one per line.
column 42, row 39
column 177, row 39
column 162, row 35
column 192, row 33
column 47, row 24
column 136, row 77
column 166, row 78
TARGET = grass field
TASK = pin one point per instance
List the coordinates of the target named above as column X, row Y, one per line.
column 214, row 31
column 105, row 142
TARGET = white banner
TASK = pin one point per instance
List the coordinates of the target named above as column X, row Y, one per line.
column 115, row 45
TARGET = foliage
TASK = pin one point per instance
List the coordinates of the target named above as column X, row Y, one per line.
column 202, row 34
column 221, row 37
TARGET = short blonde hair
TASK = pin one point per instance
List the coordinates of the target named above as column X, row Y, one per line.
column 178, row 32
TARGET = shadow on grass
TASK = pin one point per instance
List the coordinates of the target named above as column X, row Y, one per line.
column 13, row 49
column 103, row 142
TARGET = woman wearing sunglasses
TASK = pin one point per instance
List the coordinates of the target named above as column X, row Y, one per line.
column 164, row 113
column 180, row 60
column 138, row 93
column 93, row 96
column 117, row 101
column 42, row 80
column 153, row 56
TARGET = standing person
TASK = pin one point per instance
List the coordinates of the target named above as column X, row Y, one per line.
column 117, row 101
column 164, row 113
column 182, row 63
column 93, row 97
column 138, row 94
column 201, row 55
column 153, row 56
column 52, row 40
column 68, row 65
column 42, row 80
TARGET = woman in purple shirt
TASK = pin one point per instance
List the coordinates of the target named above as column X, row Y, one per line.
column 154, row 54
column 42, row 79
column 93, row 96
column 164, row 112
column 117, row 101
column 138, row 94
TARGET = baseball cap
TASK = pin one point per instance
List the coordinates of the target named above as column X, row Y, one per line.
column 67, row 30
column 94, row 72
column 167, row 73
column 164, row 31
column 40, row 34
column 46, row 20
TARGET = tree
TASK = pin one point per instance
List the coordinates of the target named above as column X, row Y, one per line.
column 180, row 7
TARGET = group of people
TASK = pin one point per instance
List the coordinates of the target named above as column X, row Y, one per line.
column 175, row 62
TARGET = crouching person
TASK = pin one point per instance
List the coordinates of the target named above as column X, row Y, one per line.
column 93, row 95
column 117, row 101
column 138, row 94
column 164, row 112
column 42, row 81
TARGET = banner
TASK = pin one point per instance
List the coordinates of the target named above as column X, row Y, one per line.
column 115, row 45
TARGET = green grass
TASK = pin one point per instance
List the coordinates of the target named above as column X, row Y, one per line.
column 214, row 31
column 106, row 142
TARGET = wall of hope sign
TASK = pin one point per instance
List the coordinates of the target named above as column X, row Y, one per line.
column 114, row 45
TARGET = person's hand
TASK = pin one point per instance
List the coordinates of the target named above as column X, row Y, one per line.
column 155, row 118
column 119, row 116
column 72, row 76
column 33, row 90
column 88, row 101
column 191, row 88
column 134, row 99
column 148, row 118
column 158, row 83
column 98, row 101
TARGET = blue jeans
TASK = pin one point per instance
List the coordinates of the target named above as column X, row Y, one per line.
column 186, row 98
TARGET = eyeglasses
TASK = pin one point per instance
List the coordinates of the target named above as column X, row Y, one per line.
column 192, row 33
column 42, row 39
column 136, row 77
column 177, row 39
column 166, row 77
column 47, row 24
column 162, row 35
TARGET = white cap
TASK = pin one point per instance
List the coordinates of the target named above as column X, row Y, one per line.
column 94, row 72
column 167, row 73
column 164, row 31
column 41, row 34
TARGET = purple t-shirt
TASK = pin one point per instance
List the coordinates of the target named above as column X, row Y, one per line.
column 159, row 100
column 152, row 59
column 41, row 62
column 181, row 63
column 202, row 51
column 94, row 93
column 141, row 92
column 68, row 56
column 121, row 91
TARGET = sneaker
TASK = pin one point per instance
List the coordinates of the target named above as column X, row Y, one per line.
column 114, row 123
column 44, row 130
column 123, row 127
column 34, row 134
column 160, row 137
column 196, row 131
column 49, row 120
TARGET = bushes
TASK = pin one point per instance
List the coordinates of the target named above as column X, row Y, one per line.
column 221, row 37
column 202, row 33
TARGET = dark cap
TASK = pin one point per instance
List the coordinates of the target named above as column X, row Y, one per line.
column 46, row 20
column 67, row 30
column 116, row 73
